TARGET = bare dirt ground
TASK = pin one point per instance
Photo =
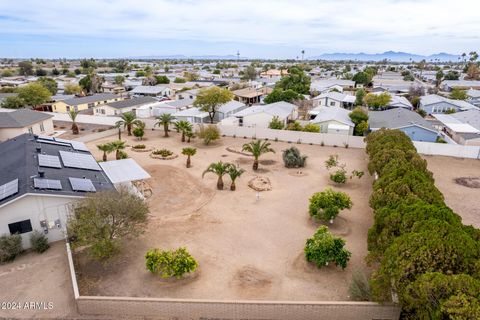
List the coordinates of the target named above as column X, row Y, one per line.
column 462, row 199
column 36, row 277
column 85, row 129
column 246, row 249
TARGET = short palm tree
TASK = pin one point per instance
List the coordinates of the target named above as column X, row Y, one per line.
column 190, row 135
column 73, row 116
column 128, row 121
column 165, row 119
column 117, row 146
column 189, row 151
column 257, row 148
column 220, row 169
column 183, row 127
column 234, row 173
column 106, row 148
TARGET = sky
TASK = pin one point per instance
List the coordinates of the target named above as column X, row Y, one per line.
column 255, row 28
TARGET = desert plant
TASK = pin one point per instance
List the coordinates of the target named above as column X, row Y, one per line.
column 209, row 133
column 339, row 176
column 332, row 161
column 294, row 126
column 293, row 159
column 139, row 146
column 10, row 247
column 139, row 132
column 122, row 155
column 170, row 263
column 183, row 127
column 39, row 242
column 220, row 169
column 326, row 205
column 323, row 248
column 189, row 152
column 163, row 152
column 73, row 116
column 117, row 146
column 190, row 135
column 234, row 173
column 257, row 148
column 128, row 120
column 359, row 288
column 311, row 127
column 276, row 123
column 165, row 119
column 106, row 148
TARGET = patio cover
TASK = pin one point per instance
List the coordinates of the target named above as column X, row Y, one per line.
column 124, row 170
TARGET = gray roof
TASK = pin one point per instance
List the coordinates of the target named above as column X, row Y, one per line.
column 472, row 117
column 128, row 103
column 21, row 118
column 148, row 89
column 396, row 118
column 20, row 161
column 90, row 99
column 181, row 103
column 280, row 109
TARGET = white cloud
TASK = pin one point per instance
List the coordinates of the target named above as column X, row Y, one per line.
column 422, row 26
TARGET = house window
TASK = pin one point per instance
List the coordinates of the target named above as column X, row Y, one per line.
column 42, row 128
column 332, row 103
column 68, row 108
column 20, row 227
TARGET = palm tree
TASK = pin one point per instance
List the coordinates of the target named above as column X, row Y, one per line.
column 190, row 135
column 128, row 121
column 257, row 148
column 165, row 119
column 234, row 173
column 183, row 127
column 189, row 151
column 117, row 146
column 303, row 54
column 73, row 116
column 220, row 169
column 106, row 148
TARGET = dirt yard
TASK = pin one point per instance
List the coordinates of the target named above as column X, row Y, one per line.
column 462, row 199
column 246, row 249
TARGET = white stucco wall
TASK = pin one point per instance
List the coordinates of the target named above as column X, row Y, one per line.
column 8, row 133
column 36, row 208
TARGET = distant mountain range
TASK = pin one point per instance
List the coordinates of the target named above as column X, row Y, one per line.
column 389, row 55
column 183, row 57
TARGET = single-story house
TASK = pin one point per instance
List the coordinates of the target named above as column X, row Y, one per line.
column 261, row 115
column 437, row 104
column 128, row 105
column 250, row 96
column 83, row 103
column 324, row 85
column 458, row 129
column 473, row 97
column 192, row 115
column 410, row 122
column 449, row 85
column 399, row 102
column 274, row 73
column 40, row 177
column 334, row 120
column 187, row 94
column 16, row 122
column 229, row 109
column 113, row 88
column 152, row 91
column 334, row 99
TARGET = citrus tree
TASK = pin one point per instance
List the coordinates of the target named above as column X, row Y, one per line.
column 324, row 248
column 326, row 205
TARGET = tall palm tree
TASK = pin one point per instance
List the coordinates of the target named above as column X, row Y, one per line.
column 303, row 54
column 234, row 173
column 257, row 148
column 117, row 146
column 183, row 127
column 128, row 121
column 73, row 116
column 220, row 169
column 106, row 148
column 189, row 151
column 165, row 119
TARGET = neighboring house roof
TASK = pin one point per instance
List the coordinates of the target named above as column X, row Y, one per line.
column 134, row 102
column 230, row 106
column 21, row 118
column 471, row 117
column 192, row 112
column 399, row 102
column 461, row 83
column 434, row 98
column 279, row 109
column 397, row 118
column 455, row 124
column 332, row 113
column 148, row 89
column 251, row 92
column 181, row 103
column 325, row 83
column 90, row 99
column 472, row 93
column 338, row 96
column 20, row 160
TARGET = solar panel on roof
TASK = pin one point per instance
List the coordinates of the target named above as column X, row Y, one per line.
column 79, row 184
column 56, row 143
column 47, row 184
column 8, row 189
column 45, row 160
column 46, row 138
column 79, row 160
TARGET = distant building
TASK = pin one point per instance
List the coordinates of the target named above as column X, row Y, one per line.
column 437, row 104
column 410, row 122
column 335, row 120
column 334, row 99
column 473, row 97
column 448, row 85
column 462, row 127
column 17, row 122
column 152, row 91
column 127, row 105
column 261, row 115
column 83, row 103
column 251, row 96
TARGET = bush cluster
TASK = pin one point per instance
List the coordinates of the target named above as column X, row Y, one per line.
column 293, row 159
column 421, row 245
column 39, row 242
column 170, row 263
column 10, row 247
column 323, row 248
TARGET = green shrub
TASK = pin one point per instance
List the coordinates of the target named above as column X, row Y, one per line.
column 163, row 152
column 170, row 263
column 10, row 247
column 323, row 248
column 293, row 159
column 122, row 154
column 138, row 132
column 209, row 133
column 339, row 176
column 139, row 146
column 311, row 127
column 276, row 123
column 294, row 126
column 104, row 249
column 326, row 205
column 39, row 242
column 359, row 287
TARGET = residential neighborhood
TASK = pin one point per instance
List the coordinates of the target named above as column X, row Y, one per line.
column 235, row 160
